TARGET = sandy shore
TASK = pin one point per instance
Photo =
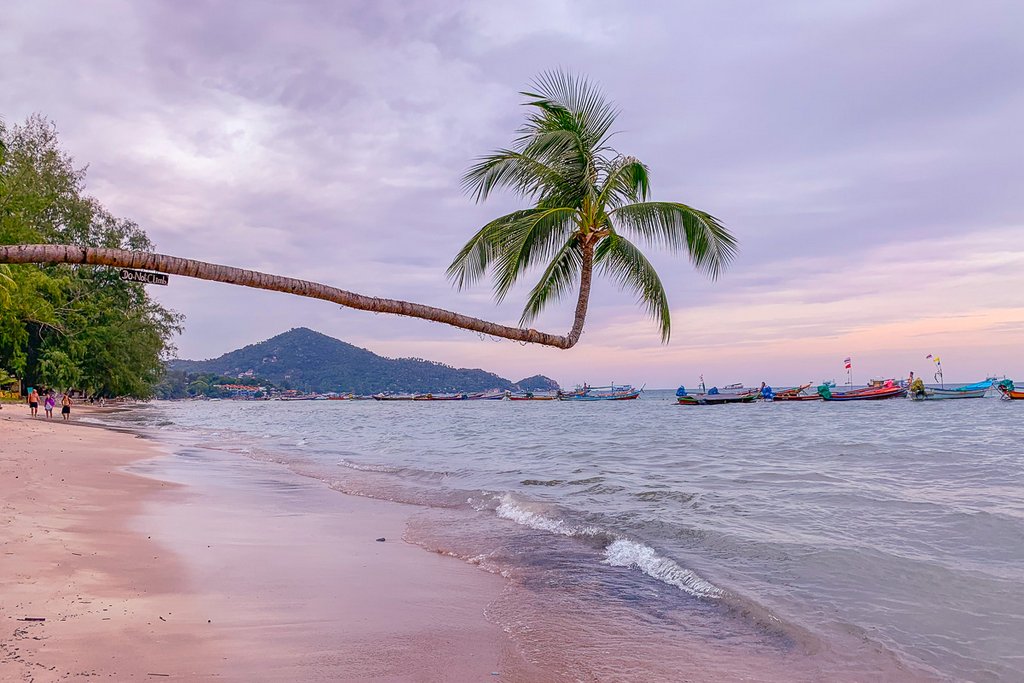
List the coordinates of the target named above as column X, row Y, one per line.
column 119, row 560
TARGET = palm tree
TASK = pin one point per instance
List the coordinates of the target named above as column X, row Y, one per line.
column 585, row 195
column 589, row 203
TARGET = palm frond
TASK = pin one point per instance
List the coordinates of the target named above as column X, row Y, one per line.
column 678, row 228
column 528, row 240
column 568, row 127
column 573, row 103
column 472, row 261
column 558, row 278
column 620, row 259
column 528, row 176
column 627, row 179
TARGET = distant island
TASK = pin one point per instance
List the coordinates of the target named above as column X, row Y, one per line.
column 310, row 362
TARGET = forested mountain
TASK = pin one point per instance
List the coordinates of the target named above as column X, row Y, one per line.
column 537, row 383
column 313, row 362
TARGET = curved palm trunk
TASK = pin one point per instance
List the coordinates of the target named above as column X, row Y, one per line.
column 586, row 278
column 120, row 258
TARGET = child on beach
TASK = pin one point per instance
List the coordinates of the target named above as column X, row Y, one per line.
column 65, row 410
column 33, row 402
column 49, row 403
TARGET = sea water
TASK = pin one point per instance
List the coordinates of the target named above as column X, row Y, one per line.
column 649, row 541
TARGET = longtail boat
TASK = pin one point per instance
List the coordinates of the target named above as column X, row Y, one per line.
column 919, row 392
column 800, row 393
column 626, row 395
column 612, row 392
column 866, row 394
column 714, row 397
column 421, row 397
column 487, row 396
column 1010, row 392
column 793, row 391
column 796, row 394
column 530, row 396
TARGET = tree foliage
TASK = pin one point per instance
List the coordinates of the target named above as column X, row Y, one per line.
column 590, row 205
column 68, row 326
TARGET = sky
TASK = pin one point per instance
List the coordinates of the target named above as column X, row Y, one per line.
column 868, row 156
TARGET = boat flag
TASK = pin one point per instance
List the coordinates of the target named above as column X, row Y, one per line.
column 847, row 363
column 929, row 356
column 938, row 369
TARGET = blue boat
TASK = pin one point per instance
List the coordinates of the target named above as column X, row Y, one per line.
column 919, row 392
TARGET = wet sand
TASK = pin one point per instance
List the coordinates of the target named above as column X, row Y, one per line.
column 199, row 565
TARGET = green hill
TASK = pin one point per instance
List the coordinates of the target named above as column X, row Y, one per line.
column 313, row 362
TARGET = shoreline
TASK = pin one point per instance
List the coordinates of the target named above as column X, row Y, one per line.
column 71, row 565
column 207, row 566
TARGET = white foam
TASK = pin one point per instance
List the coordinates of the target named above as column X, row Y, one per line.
column 509, row 509
column 368, row 468
column 625, row 553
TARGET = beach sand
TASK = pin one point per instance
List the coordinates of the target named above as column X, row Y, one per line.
column 199, row 565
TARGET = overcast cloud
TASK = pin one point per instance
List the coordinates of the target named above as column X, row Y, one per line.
column 869, row 156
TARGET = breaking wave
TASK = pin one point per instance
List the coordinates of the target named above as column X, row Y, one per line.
column 516, row 512
column 619, row 552
column 625, row 553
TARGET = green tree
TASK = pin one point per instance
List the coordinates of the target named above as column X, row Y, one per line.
column 590, row 203
column 71, row 325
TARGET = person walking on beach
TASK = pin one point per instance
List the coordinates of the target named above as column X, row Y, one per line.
column 49, row 403
column 33, row 402
column 65, row 410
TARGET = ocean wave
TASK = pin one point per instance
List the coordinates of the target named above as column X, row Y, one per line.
column 517, row 512
column 626, row 553
column 620, row 552
column 360, row 467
